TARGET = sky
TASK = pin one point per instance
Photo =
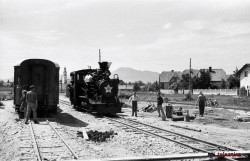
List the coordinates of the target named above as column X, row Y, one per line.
column 153, row 35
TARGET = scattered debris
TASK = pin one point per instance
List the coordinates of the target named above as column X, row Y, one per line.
column 14, row 132
column 187, row 128
column 178, row 112
column 243, row 118
column 97, row 136
column 150, row 108
column 1, row 104
column 177, row 118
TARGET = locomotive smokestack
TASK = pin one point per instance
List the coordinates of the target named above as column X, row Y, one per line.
column 104, row 65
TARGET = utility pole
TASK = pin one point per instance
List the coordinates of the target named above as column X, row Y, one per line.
column 99, row 55
column 159, row 84
column 190, row 79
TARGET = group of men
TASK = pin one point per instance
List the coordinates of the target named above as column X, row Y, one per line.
column 29, row 103
column 201, row 101
column 134, row 98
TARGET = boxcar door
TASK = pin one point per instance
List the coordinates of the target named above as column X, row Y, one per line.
column 38, row 79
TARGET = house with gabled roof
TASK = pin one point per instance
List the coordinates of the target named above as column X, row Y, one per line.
column 194, row 72
column 217, row 75
column 244, row 75
column 167, row 78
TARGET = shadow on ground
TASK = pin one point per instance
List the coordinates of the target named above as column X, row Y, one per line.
column 60, row 117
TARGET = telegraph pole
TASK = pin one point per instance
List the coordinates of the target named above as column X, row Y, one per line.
column 99, row 55
column 159, row 84
column 190, row 78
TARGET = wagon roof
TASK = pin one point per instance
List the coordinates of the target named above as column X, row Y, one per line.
column 83, row 71
column 21, row 61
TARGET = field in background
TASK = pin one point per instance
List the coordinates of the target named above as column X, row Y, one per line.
column 222, row 100
column 6, row 93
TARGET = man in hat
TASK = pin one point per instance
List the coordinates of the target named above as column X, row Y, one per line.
column 159, row 105
column 31, row 98
column 202, row 102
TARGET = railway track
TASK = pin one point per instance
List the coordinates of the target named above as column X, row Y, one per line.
column 211, row 149
column 47, row 143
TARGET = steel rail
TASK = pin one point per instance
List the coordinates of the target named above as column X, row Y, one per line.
column 75, row 156
column 186, row 145
column 37, row 151
column 153, row 134
column 208, row 143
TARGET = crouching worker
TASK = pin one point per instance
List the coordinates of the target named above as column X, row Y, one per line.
column 134, row 98
column 31, row 99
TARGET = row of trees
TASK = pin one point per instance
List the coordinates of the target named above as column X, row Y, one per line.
column 201, row 82
column 146, row 86
column 204, row 82
column 2, row 84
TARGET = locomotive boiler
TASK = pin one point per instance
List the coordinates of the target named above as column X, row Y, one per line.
column 92, row 89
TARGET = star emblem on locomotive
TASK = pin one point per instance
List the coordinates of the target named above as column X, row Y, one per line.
column 108, row 88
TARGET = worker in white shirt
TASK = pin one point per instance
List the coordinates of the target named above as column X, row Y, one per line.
column 134, row 98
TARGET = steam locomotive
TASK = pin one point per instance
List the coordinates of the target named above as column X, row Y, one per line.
column 92, row 89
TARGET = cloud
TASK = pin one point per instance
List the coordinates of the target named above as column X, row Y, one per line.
column 120, row 35
column 167, row 26
column 48, row 36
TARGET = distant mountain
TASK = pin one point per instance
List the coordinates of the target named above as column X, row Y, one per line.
column 131, row 75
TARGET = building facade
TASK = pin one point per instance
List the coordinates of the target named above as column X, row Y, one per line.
column 244, row 75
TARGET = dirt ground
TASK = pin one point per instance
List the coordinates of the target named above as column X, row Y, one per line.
column 216, row 126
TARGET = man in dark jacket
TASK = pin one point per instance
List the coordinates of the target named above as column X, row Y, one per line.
column 159, row 105
column 202, row 102
column 31, row 98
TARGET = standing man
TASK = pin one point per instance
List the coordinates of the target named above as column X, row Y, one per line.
column 134, row 100
column 31, row 99
column 202, row 102
column 23, row 107
column 159, row 105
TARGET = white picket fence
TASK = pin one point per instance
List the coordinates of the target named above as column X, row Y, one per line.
column 170, row 91
column 231, row 92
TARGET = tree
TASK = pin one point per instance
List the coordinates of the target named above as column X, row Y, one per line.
column 175, row 87
column 204, row 79
column 140, row 83
column 121, row 82
column 136, row 86
column 233, row 81
column 184, row 82
column 1, row 83
column 223, row 84
column 154, row 87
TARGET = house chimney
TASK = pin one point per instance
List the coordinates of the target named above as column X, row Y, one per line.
column 210, row 69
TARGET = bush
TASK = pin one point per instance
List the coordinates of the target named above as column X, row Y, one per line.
column 188, row 97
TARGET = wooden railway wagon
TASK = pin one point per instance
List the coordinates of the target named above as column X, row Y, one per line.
column 44, row 75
